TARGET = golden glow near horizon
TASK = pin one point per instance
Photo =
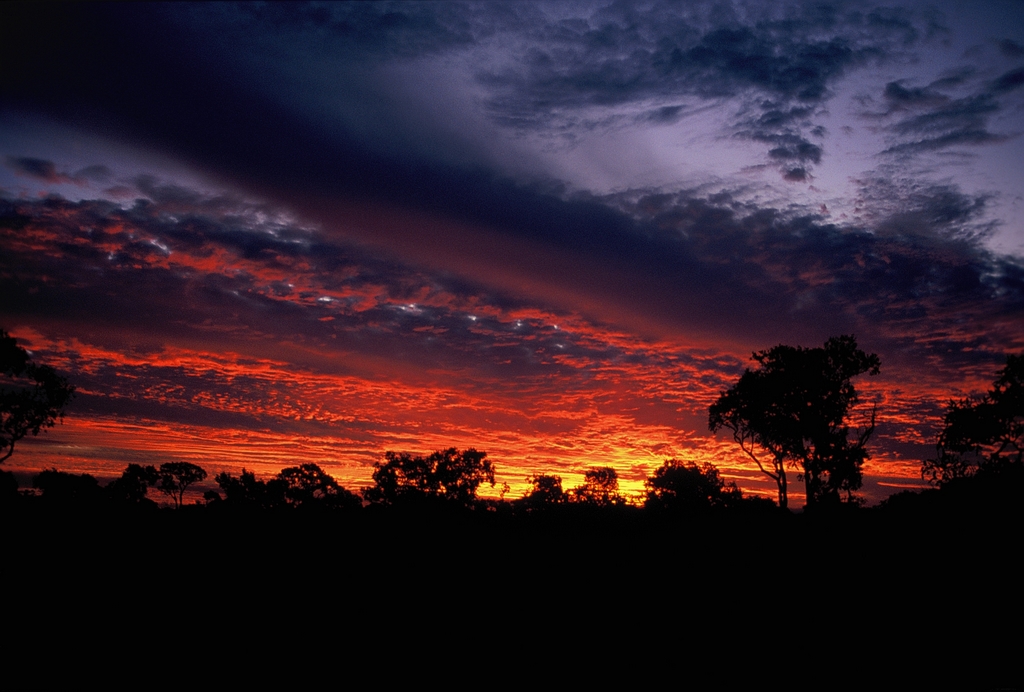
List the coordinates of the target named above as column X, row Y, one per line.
column 554, row 234
column 387, row 361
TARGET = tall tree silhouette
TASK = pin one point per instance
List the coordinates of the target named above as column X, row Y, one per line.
column 982, row 432
column 792, row 410
column 32, row 397
column 176, row 477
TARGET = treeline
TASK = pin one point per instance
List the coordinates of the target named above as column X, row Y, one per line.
column 790, row 413
column 446, row 480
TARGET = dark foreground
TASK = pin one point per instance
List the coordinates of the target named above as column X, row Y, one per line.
column 860, row 600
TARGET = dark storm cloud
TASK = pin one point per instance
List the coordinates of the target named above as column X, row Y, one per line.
column 934, row 121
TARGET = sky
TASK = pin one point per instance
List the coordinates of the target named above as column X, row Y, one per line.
column 256, row 235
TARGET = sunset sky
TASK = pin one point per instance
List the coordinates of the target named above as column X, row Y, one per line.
column 266, row 234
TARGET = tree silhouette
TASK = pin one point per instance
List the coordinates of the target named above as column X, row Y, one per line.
column 682, row 486
column 448, row 475
column 546, row 491
column 32, row 397
column 8, row 487
column 67, row 489
column 600, row 487
column 132, row 486
column 794, row 407
column 982, row 432
column 250, row 492
column 176, row 477
column 309, row 486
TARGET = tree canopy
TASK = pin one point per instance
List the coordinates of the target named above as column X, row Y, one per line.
column 982, row 432
column 546, row 491
column 132, row 486
column 308, row 486
column 448, row 475
column 792, row 411
column 66, row 488
column 32, row 397
column 176, row 476
column 249, row 492
column 685, row 487
column 600, row 487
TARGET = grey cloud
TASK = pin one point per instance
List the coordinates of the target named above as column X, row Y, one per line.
column 792, row 148
column 906, row 210
column 782, row 129
column 908, row 279
column 36, row 168
column 97, row 173
column 774, row 117
column 1011, row 48
column 938, row 121
column 45, row 170
column 112, row 264
column 965, row 136
column 960, row 114
column 665, row 115
column 1013, row 79
column 899, row 96
column 374, row 29
column 917, row 276
column 623, row 55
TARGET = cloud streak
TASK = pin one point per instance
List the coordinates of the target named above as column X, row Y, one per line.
column 382, row 257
